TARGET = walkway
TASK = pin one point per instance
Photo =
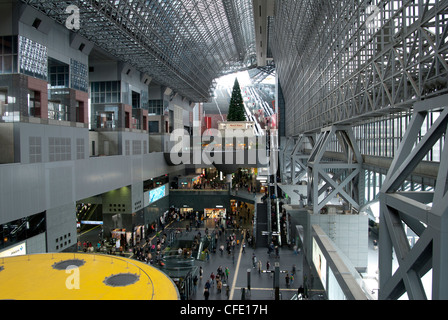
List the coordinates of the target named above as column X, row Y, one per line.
column 240, row 266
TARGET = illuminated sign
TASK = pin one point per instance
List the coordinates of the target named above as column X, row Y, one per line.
column 17, row 250
column 154, row 195
column 91, row 222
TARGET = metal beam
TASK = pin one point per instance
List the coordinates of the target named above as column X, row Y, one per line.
column 339, row 64
column 347, row 169
column 425, row 213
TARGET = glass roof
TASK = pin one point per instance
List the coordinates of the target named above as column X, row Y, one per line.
column 181, row 44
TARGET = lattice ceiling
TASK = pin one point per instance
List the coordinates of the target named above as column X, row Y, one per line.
column 182, row 44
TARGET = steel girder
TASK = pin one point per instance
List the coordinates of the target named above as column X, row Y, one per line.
column 336, row 65
column 294, row 158
column 346, row 175
column 181, row 44
column 259, row 74
column 285, row 159
column 299, row 159
column 425, row 213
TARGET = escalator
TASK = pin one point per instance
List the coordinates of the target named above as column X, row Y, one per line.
column 22, row 229
column 82, row 210
column 85, row 214
column 261, row 239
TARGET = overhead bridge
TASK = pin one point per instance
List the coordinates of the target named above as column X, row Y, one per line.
column 228, row 161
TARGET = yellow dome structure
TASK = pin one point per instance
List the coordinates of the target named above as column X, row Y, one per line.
column 80, row 276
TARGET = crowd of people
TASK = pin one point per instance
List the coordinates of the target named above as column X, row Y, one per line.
column 220, row 279
column 226, row 234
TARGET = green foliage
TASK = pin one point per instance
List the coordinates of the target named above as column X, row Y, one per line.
column 236, row 106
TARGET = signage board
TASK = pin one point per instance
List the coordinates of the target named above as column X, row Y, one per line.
column 17, row 250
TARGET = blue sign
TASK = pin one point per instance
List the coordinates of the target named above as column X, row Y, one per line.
column 156, row 194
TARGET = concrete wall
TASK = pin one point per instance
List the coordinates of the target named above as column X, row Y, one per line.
column 56, row 38
column 36, row 244
column 8, row 16
column 61, row 227
column 117, row 201
column 48, row 143
column 26, row 189
column 348, row 232
column 130, row 78
column 6, row 143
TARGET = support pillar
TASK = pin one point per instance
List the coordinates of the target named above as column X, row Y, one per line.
column 330, row 174
column 299, row 158
column 285, row 159
column 426, row 213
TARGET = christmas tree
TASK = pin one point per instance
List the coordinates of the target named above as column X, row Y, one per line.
column 236, row 107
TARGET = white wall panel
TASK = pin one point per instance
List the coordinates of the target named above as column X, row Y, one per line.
column 27, row 189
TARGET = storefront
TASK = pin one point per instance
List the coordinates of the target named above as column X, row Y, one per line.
column 139, row 234
column 186, row 212
column 215, row 213
column 120, row 237
column 189, row 182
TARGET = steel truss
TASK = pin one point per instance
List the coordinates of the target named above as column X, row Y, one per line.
column 337, row 63
column 414, row 210
column 181, row 44
column 284, row 156
column 294, row 158
column 259, row 74
column 339, row 176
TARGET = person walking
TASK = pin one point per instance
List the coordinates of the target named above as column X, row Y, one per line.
column 300, row 293
column 207, row 285
column 227, row 272
column 206, row 294
column 218, row 285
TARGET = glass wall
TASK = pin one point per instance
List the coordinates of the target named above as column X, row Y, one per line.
column 8, row 54
column 105, row 92
column 58, row 111
column 105, row 97
column 156, row 107
column 58, row 74
column 33, row 58
column 382, row 136
column 79, row 75
column 105, row 116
